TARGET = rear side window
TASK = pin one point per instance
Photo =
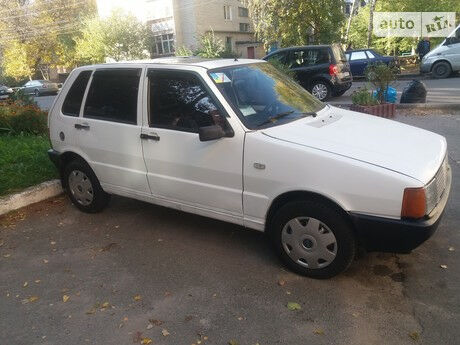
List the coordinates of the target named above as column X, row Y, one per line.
column 358, row 56
column 112, row 95
column 72, row 102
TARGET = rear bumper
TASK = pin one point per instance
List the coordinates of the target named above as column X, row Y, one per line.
column 399, row 236
column 341, row 87
column 55, row 157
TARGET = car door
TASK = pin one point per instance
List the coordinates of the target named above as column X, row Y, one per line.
column 27, row 87
column 181, row 169
column 108, row 130
column 358, row 63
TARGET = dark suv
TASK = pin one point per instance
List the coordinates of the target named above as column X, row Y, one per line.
column 323, row 70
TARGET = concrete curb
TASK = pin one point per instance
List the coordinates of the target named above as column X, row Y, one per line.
column 440, row 106
column 29, row 196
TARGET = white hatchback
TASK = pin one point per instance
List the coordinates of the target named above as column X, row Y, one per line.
column 238, row 141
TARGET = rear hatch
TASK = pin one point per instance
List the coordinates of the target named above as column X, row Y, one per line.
column 343, row 67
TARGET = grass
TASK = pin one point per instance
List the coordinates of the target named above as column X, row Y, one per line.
column 24, row 162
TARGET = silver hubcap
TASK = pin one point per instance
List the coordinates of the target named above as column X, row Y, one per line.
column 309, row 242
column 319, row 91
column 81, row 188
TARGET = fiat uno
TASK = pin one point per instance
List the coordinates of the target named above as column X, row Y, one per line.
column 238, row 141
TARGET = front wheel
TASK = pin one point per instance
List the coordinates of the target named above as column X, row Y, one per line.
column 441, row 69
column 321, row 90
column 83, row 187
column 36, row 93
column 313, row 239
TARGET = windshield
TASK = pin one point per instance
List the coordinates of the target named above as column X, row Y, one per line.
column 262, row 96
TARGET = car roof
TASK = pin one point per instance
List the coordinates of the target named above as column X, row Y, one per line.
column 185, row 61
column 302, row 47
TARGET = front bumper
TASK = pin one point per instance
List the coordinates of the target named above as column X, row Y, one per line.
column 425, row 67
column 399, row 236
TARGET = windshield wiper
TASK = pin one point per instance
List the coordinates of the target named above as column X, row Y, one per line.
column 275, row 117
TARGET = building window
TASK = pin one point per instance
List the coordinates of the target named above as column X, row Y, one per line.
column 227, row 12
column 164, row 44
column 243, row 12
column 228, row 43
column 244, row 27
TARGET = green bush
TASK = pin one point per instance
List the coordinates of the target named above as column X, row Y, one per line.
column 363, row 96
column 21, row 98
column 16, row 119
column 380, row 76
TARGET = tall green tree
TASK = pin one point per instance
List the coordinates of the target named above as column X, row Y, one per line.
column 41, row 33
column 297, row 22
column 118, row 37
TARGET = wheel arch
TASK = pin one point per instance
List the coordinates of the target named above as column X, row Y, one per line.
column 67, row 157
column 299, row 195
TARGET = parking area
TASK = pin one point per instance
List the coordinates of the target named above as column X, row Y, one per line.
column 139, row 272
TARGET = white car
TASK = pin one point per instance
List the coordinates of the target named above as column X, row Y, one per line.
column 238, row 141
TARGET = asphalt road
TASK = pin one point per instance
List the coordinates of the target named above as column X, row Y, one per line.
column 438, row 90
column 72, row 278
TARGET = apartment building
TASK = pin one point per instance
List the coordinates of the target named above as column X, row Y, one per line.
column 178, row 23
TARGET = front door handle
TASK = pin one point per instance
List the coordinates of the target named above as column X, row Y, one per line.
column 82, row 126
column 152, row 136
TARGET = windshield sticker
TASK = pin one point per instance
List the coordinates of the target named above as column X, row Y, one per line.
column 220, row 78
column 248, row 110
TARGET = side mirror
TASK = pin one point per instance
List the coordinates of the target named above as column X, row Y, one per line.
column 448, row 41
column 209, row 133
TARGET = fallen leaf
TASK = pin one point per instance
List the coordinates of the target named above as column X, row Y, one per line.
column 156, row 322
column 137, row 297
column 188, row 317
column 146, row 341
column 6, row 255
column 53, row 243
column 137, row 337
column 240, row 318
column 281, row 282
column 355, row 314
column 233, row 342
column 105, row 305
column 45, row 261
column 160, row 240
column 91, row 311
column 205, row 338
column 65, row 298
column 37, row 281
column 167, row 294
column 288, row 292
column 109, row 247
column 30, row 299
column 414, row 336
column 443, row 266
column 165, row 332
column 125, row 319
column 293, row 306
column 318, row 331
column 25, row 284
column 2, row 243
column 149, row 326
column 451, row 249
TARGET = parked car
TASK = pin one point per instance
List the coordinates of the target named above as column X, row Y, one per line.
column 239, row 141
column 40, row 87
column 322, row 70
column 360, row 58
column 442, row 61
column 5, row 92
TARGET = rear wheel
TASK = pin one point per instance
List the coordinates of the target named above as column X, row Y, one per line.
column 441, row 69
column 321, row 90
column 313, row 239
column 83, row 187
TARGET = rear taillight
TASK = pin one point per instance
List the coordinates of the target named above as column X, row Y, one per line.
column 333, row 70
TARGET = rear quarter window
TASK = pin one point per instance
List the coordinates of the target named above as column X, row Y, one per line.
column 73, row 99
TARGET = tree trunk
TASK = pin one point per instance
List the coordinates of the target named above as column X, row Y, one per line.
column 370, row 28
column 352, row 13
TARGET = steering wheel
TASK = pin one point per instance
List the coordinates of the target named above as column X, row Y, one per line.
column 271, row 108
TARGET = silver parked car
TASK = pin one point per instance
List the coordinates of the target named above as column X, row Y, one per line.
column 445, row 58
column 40, row 87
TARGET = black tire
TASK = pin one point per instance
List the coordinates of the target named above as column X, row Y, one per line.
column 335, row 222
column 441, row 69
column 324, row 86
column 81, row 169
column 338, row 93
column 36, row 93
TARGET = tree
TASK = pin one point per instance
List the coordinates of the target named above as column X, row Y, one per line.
column 370, row 27
column 210, row 46
column 118, row 37
column 41, row 32
column 297, row 22
column 350, row 19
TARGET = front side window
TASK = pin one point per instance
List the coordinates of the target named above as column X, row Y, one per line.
column 370, row 55
column 74, row 97
column 262, row 96
column 112, row 95
column 180, row 101
column 358, row 56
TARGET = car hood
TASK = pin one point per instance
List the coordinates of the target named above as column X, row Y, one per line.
column 385, row 143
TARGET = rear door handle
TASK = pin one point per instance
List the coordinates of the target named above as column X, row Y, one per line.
column 82, row 126
column 152, row 136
